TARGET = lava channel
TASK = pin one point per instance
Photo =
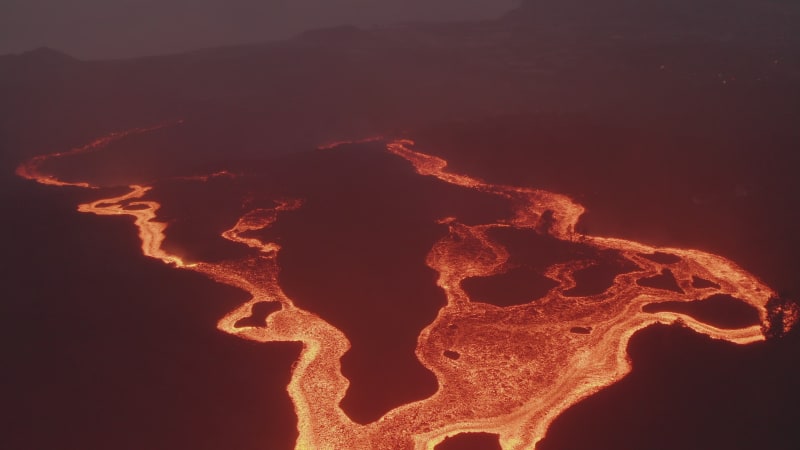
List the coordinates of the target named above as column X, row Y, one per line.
column 504, row 370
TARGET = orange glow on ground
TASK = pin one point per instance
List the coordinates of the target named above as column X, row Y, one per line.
column 221, row 173
column 151, row 232
column 32, row 169
column 333, row 144
column 518, row 367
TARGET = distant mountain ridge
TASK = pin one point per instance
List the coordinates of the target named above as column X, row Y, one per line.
column 40, row 54
column 759, row 20
column 733, row 18
column 618, row 56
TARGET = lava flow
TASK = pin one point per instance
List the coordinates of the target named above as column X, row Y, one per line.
column 516, row 368
column 32, row 169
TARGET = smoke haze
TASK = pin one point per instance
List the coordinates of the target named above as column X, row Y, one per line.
column 97, row 29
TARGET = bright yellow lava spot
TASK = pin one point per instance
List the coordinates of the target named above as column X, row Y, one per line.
column 519, row 366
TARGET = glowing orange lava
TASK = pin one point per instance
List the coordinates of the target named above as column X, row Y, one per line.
column 518, row 367
column 221, row 173
column 31, row 169
column 333, row 144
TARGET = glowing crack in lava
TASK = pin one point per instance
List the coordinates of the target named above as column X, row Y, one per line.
column 517, row 367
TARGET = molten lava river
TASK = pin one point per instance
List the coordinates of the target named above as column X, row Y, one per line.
column 509, row 370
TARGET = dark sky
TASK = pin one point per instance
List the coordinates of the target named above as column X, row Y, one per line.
column 95, row 29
